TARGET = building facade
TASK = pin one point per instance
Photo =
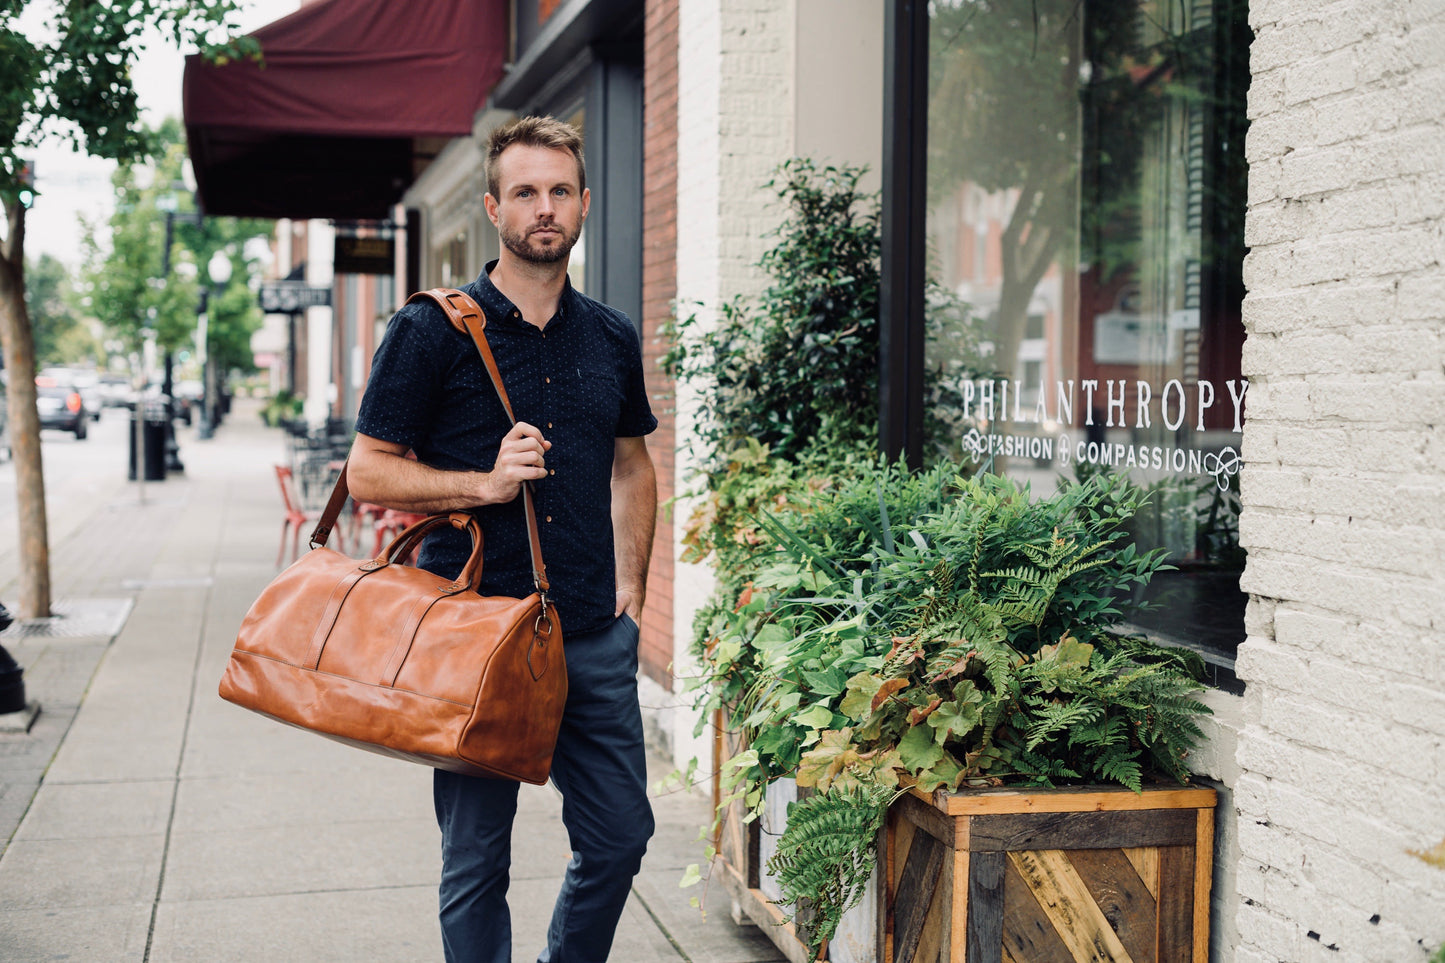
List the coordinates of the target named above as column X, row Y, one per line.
column 1198, row 242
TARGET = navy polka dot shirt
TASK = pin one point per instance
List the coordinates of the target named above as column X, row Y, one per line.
column 579, row 382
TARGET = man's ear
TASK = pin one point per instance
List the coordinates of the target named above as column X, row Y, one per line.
column 586, row 201
column 490, row 203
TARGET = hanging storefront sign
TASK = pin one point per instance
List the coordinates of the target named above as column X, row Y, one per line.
column 292, row 297
column 364, row 255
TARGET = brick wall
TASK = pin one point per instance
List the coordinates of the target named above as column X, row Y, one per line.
column 1342, row 748
column 756, row 133
column 734, row 124
column 659, row 287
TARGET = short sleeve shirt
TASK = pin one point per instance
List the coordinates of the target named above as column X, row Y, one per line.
column 579, row 381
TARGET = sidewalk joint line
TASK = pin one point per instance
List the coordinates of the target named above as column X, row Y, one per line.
column 185, row 741
column 661, row 928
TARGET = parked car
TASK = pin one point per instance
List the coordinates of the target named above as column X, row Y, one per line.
column 60, row 406
column 88, row 384
column 83, row 380
column 114, row 391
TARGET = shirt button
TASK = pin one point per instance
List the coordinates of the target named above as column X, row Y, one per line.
column 549, row 424
column 549, row 518
column 548, row 380
column 554, row 471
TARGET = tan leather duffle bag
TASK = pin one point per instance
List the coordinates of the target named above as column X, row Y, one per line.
column 391, row 658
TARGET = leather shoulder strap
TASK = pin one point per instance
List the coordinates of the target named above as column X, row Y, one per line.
column 466, row 316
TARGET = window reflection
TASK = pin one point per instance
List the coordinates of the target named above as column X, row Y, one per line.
column 1085, row 209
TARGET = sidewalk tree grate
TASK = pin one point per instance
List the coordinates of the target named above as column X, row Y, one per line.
column 75, row 619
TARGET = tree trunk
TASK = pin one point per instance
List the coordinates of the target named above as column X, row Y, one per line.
column 19, row 343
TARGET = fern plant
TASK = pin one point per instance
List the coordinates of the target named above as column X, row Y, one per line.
column 825, row 855
column 932, row 631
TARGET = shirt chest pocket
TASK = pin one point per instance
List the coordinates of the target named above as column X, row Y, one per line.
column 590, row 395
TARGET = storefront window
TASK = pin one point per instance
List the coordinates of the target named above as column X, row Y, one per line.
column 1085, row 198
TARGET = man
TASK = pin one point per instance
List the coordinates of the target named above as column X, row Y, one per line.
column 573, row 370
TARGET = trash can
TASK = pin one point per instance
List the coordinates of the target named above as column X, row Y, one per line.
column 153, row 430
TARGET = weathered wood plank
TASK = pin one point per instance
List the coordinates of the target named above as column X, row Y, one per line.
column 917, row 885
column 765, row 915
column 1121, row 896
column 1081, row 830
column 935, row 935
column 736, row 841
column 883, row 949
column 1028, row 933
column 1066, row 901
column 976, row 802
column 931, row 820
column 1176, row 904
column 985, row 908
column 904, row 833
column 958, row 906
column 1203, row 883
column 1146, row 863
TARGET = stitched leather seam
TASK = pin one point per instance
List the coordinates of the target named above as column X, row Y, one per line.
column 347, row 678
column 407, row 636
column 329, row 616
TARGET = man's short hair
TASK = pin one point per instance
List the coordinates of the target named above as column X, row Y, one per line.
column 546, row 132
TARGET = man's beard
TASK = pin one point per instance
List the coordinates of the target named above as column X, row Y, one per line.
column 521, row 244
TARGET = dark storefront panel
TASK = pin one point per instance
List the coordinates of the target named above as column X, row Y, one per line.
column 583, row 64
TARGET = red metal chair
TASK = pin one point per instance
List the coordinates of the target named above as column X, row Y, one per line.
column 387, row 523
column 297, row 517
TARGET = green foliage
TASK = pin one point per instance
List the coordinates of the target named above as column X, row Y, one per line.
column 60, row 336
column 128, row 283
column 818, row 316
column 894, row 601
column 74, row 78
column 935, row 631
column 283, row 405
column 796, row 369
column 825, row 854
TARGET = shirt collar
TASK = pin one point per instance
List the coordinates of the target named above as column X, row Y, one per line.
column 501, row 311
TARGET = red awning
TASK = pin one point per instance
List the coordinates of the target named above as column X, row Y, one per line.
column 353, row 99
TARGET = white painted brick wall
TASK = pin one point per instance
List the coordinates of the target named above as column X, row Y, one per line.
column 1342, row 747
column 699, row 194
column 735, row 125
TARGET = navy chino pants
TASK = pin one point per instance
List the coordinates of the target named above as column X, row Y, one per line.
column 600, row 767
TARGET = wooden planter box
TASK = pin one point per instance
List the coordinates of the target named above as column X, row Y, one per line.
column 1049, row 876
column 1008, row 876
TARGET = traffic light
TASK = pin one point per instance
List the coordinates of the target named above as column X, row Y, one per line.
column 27, row 183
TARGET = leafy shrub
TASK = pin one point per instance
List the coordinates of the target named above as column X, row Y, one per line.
column 797, row 368
column 935, row 631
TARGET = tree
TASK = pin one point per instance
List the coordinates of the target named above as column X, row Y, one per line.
column 75, row 83
column 53, row 319
column 135, row 283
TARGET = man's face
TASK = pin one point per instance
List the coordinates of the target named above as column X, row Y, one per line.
column 540, row 213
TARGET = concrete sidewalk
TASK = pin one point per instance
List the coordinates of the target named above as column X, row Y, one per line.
column 144, row 819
